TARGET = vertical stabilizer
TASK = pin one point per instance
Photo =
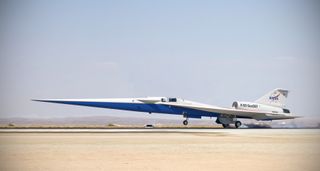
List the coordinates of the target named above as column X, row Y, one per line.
column 276, row 97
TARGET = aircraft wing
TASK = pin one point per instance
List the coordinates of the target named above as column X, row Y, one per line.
column 258, row 115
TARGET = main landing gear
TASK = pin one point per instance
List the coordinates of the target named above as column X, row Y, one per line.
column 227, row 120
column 237, row 124
column 225, row 125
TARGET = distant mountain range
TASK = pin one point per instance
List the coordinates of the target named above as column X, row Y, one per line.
column 98, row 120
column 106, row 120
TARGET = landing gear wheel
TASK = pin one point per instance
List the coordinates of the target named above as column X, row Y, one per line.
column 237, row 124
column 185, row 122
column 225, row 125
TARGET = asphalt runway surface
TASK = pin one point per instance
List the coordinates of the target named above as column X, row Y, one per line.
column 160, row 149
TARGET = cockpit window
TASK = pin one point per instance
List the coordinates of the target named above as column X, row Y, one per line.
column 172, row 99
column 163, row 100
column 235, row 104
column 286, row 111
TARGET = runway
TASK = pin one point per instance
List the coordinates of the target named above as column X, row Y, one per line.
column 159, row 149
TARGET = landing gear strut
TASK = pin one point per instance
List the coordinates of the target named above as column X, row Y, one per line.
column 185, row 122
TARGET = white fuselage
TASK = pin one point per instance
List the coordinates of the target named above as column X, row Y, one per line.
column 251, row 106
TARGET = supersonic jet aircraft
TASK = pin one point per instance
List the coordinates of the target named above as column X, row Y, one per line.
column 269, row 107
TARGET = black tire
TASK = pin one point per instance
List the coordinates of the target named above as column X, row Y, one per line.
column 237, row 124
column 225, row 125
column 185, row 122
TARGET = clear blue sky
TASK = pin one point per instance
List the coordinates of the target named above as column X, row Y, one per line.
column 214, row 52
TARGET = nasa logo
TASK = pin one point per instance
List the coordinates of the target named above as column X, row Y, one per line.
column 275, row 96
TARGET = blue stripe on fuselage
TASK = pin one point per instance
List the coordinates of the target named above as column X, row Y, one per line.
column 142, row 107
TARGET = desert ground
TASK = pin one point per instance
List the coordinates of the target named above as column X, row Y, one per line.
column 216, row 149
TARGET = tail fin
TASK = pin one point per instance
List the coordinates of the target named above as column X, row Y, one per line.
column 276, row 97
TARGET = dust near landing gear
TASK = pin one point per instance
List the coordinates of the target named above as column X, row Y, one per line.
column 185, row 122
column 237, row 124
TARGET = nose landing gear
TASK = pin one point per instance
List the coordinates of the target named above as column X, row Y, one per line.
column 185, row 122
